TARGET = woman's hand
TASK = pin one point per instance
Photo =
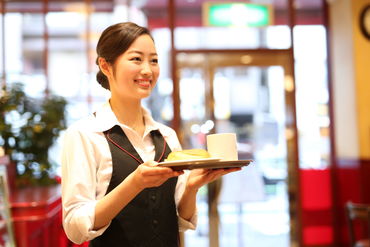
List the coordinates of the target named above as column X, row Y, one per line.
column 200, row 177
column 146, row 175
column 149, row 174
column 197, row 178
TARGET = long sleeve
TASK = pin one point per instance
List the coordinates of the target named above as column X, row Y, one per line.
column 180, row 187
column 79, row 187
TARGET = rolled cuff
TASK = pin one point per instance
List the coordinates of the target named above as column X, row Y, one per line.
column 79, row 228
column 188, row 224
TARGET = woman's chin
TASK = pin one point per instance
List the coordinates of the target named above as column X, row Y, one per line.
column 145, row 93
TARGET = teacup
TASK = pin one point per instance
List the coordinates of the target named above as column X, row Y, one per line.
column 223, row 146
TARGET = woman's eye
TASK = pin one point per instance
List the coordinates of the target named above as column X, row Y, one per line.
column 155, row 60
column 135, row 59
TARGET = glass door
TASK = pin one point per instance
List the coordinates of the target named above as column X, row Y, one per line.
column 250, row 94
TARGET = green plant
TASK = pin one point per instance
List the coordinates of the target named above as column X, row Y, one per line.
column 28, row 128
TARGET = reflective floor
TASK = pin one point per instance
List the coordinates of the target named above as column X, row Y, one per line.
column 261, row 223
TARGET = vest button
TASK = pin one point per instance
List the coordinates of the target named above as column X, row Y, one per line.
column 155, row 222
column 153, row 197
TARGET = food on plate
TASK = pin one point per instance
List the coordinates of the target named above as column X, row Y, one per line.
column 188, row 154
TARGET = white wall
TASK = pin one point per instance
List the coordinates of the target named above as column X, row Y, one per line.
column 343, row 79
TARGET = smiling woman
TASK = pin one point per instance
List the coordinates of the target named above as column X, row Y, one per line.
column 135, row 72
column 114, row 192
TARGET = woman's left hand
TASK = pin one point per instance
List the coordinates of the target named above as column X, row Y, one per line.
column 200, row 177
column 197, row 178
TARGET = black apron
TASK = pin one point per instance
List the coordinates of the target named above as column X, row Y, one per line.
column 150, row 219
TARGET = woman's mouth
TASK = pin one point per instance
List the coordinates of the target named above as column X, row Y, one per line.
column 143, row 83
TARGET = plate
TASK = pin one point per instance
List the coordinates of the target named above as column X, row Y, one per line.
column 204, row 163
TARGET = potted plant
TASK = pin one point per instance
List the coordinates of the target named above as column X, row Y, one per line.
column 28, row 129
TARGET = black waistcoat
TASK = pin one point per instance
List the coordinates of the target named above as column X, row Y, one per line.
column 150, row 219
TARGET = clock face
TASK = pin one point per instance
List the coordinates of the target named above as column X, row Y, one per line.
column 365, row 21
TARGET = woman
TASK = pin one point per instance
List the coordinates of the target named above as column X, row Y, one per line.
column 113, row 192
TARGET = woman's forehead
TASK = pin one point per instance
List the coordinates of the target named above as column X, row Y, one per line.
column 143, row 45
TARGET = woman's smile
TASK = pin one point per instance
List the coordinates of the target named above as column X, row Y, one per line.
column 135, row 72
column 145, row 83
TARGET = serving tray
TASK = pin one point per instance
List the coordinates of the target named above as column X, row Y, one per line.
column 211, row 163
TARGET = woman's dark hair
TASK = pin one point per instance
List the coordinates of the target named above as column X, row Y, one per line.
column 113, row 42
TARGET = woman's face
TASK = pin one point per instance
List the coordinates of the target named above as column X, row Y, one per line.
column 136, row 71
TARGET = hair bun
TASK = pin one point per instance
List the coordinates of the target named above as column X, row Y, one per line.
column 102, row 79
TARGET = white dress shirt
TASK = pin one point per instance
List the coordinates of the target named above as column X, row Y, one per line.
column 87, row 169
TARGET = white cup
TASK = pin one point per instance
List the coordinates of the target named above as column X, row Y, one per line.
column 223, row 146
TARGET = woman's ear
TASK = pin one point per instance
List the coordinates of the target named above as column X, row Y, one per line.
column 105, row 67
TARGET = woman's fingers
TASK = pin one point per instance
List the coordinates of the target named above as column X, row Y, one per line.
column 149, row 174
column 200, row 177
column 151, row 168
column 221, row 172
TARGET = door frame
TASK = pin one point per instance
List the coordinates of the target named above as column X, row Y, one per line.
column 209, row 60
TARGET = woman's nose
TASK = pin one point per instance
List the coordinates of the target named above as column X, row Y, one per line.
column 146, row 69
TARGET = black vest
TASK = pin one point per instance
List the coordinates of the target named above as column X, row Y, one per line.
column 150, row 219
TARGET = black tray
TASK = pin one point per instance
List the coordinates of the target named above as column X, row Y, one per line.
column 206, row 164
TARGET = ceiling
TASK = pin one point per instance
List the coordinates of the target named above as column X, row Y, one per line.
column 188, row 12
column 300, row 4
column 305, row 4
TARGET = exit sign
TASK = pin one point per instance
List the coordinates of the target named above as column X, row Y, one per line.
column 236, row 14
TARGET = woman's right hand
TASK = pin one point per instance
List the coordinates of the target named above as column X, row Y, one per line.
column 146, row 175
column 149, row 174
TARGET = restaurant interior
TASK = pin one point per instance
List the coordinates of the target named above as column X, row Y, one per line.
column 290, row 77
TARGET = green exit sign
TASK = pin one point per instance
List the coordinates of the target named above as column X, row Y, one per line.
column 236, row 14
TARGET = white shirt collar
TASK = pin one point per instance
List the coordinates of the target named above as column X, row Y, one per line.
column 105, row 119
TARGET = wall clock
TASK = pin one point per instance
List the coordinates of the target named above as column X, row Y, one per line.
column 365, row 21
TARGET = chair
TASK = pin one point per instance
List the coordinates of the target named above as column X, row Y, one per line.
column 358, row 213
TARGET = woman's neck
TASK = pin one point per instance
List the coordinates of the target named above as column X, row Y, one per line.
column 129, row 113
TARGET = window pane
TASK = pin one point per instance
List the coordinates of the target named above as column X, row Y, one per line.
column 312, row 96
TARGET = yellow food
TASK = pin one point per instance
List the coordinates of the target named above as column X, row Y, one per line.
column 188, row 154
